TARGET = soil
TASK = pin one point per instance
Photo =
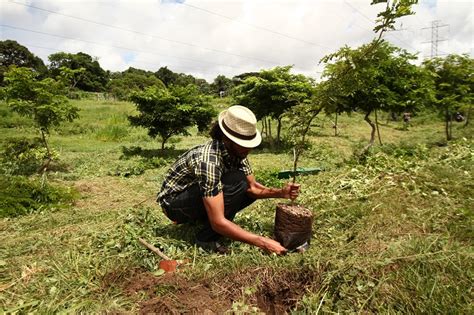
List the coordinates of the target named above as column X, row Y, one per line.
column 173, row 293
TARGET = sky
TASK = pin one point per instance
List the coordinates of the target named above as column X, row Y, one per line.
column 227, row 37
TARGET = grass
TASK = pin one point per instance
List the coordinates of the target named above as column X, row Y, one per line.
column 392, row 233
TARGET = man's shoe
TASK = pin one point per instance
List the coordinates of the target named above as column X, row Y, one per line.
column 213, row 246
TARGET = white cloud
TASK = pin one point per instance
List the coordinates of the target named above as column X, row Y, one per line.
column 229, row 38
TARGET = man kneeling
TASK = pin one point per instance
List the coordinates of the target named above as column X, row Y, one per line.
column 213, row 181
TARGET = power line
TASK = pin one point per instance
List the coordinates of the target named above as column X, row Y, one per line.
column 435, row 26
column 253, row 25
column 133, row 61
column 113, row 46
column 372, row 22
column 360, row 12
column 141, row 33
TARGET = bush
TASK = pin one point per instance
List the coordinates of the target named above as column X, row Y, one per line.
column 22, row 156
column 20, row 195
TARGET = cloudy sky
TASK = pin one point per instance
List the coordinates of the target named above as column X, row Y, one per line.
column 206, row 38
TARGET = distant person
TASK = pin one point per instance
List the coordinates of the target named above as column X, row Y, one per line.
column 406, row 119
column 213, row 181
column 458, row 117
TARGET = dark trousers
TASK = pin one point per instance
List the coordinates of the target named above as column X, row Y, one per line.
column 188, row 206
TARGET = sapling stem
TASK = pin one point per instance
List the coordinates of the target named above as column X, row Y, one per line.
column 296, row 153
column 295, row 164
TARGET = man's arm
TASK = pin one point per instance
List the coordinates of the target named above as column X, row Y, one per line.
column 215, row 212
column 259, row 191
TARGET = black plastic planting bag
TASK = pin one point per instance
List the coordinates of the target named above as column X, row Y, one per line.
column 293, row 226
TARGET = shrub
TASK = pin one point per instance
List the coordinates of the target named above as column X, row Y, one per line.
column 20, row 195
column 22, row 156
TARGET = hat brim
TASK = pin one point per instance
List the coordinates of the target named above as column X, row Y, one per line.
column 250, row 144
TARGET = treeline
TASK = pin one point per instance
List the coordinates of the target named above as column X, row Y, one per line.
column 89, row 76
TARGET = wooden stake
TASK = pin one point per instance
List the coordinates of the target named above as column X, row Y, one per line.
column 153, row 249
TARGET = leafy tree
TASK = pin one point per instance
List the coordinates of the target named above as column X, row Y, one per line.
column 122, row 85
column 12, row 53
column 203, row 86
column 238, row 79
column 42, row 100
column 386, row 80
column 375, row 76
column 170, row 78
column 454, row 82
column 273, row 92
column 221, row 84
column 166, row 76
column 93, row 79
column 169, row 112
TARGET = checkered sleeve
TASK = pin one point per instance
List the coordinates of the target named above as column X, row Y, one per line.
column 209, row 175
column 245, row 167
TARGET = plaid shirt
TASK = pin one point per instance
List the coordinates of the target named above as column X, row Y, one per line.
column 204, row 165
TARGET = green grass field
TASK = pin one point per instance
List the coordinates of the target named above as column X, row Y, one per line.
column 393, row 233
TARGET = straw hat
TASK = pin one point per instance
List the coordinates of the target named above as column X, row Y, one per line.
column 239, row 124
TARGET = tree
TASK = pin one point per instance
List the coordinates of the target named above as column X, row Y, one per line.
column 384, row 80
column 12, row 53
column 42, row 100
column 169, row 112
column 273, row 92
column 123, row 84
column 221, row 84
column 375, row 76
column 454, row 82
column 166, row 76
column 94, row 78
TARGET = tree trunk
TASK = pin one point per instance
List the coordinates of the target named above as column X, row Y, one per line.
column 335, row 126
column 163, row 141
column 269, row 126
column 44, row 167
column 372, row 133
column 270, row 136
column 467, row 117
column 264, row 129
column 447, row 127
column 377, row 125
column 278, row 130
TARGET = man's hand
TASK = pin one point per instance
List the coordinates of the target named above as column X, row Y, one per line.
column 271, row 246
column 291, row 191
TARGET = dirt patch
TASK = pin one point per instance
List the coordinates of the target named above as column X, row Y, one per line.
column 111, row 193
column 273, row 292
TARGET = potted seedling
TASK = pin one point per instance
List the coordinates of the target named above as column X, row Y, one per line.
column 293, row 222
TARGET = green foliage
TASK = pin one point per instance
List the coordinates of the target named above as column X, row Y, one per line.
column 170, row 78
column 454, row 84
column 93, row 78
column 169, row 112
column 273, row 92
column 43, row 101
column 390, row 235
column 268, row 177
column 23, row 156
column 394, row 10
column 21, row 195
column 10, row 119
column 221, row 84
column 137, row 166
column 116, row 128
column 14, row 54
column 376, row 76
column 123, row 84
